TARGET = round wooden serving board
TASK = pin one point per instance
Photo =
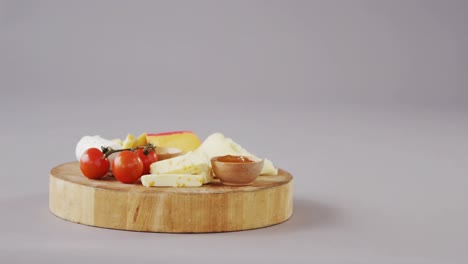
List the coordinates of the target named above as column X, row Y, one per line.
column 210, row 208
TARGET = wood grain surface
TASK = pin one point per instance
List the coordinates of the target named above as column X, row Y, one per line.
column 210, row 208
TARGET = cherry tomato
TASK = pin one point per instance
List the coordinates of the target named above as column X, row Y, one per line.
column 93, row 165
column 127, row 167
column 147, row 159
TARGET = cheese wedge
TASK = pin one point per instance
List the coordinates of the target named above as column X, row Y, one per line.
column 128, row 141
column 140, row 141
column 172, row 180
column 190, row 163
column 218, row 145
column 183, row 140
column 198, row 161
column 191, row 169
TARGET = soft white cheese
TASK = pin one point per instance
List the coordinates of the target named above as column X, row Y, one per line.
column 87, row 142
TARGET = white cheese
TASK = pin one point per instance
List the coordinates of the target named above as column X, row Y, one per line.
column 218, row 145
column 190, row 163
column 172, row 180
column 198, row 161
column 87, row 142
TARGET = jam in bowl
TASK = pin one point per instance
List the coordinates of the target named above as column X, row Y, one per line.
column 236, row 170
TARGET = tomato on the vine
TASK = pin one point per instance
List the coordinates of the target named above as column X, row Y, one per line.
column 93, row 164
column 127, row 167
column 147, row 159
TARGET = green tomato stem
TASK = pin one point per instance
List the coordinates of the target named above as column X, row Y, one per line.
column 107, row 151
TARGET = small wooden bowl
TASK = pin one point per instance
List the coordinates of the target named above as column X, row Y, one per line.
column 236, row 173
column 167, row 153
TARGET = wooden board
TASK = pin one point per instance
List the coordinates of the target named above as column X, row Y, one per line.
column 211, row 208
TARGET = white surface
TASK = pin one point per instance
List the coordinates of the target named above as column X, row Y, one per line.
column 364, row 102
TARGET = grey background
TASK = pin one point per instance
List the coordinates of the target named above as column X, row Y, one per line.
column 364, row 102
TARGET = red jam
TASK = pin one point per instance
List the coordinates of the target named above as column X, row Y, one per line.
column 235, row 159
